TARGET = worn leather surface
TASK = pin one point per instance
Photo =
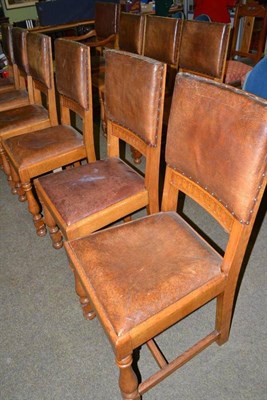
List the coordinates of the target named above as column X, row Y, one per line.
column 131, row 33
column 80, row 192
column 6, row 31
column 39, row 57
column 134, row 276
column 20, row 117
column 133, row 102
column 203, row 47
column 13, row 99
column 19, row 37
column 73, row 71
column 162, row 38
column 106, row 18
column 213, row 134
column 39, row 146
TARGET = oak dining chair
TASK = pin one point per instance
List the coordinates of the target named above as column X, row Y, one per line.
column 24, row 95
column 43, row 151
column 43, row 112
column 87, row 198
column 143, row 277
column 245, row 53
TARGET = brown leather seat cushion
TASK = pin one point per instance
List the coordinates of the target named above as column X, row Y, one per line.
column 134, row 276
column 83, row 191
column 13, row 99
column 20, row 117
column 34, row 147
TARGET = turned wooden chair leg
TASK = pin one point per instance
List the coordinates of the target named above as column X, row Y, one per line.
column 128, row 381
column 55, row 234
column 224, row 312
column 7, row 170
column 16, row 185
column 34, row 209
column 87, row 309
column 136, row 155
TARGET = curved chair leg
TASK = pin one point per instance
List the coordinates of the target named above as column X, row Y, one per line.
column 34, row 209
column 128, row 381
column 88, row 311
column 54, row 232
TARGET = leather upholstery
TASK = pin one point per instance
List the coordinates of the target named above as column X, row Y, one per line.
column 39, row 56
column 163, row 47
column 216, row 110
column 80, row 192
column 34, row 147
column 13, row 99
column 19, row 36
column 203, row 46
column 132, row 108
column 106, row 19
column 72, row 62
column 21, row 117
column 131, row 33
column 146, row 276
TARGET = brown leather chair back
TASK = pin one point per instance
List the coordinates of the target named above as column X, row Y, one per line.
column 131, row 32
column 71, row 82
column 213, row 140
column 128, row 101
column 40, row 58
column 203, row 49
column 19, row 36
column 106, row 19
column 162, row 39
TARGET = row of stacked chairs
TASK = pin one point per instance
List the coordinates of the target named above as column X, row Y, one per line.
column 143, row 276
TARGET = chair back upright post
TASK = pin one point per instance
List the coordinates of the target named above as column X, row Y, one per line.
column 39, row 51
column 204, row 48
column 246, row 16
column 73, row 96
column 7, row 44
column 135, row 123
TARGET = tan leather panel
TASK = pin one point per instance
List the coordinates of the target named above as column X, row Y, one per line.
column 203, row 47
column 133, row 102
column 39, row 53
column 20, row 117
column 158, row 274
column 209, row 147
column 19, row 37
column 131, row 33
column 37, row 146
column 83, row 191
column 106, row 18
column 13, row 99
column 73, row 70
column 162, row 38
column 7, row 44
